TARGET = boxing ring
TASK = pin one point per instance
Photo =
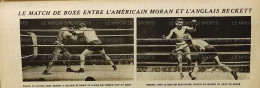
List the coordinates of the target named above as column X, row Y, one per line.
column 34, row 67
column 155, row 61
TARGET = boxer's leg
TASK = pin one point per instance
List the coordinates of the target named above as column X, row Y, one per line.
column 233, row 73
column 68, row 56
column 107, row 58
column 179, row 57
column 193, row 75
column 188, row 57
column 82, row 58
column 56, row 52
column 198, row 62
column 217, row 61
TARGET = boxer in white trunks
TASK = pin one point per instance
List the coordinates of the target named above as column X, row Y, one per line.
column 182, row 48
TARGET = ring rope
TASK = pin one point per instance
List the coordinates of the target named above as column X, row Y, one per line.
column 161, row 39
column 243, row 62
column 55, row 30
column 79, row 55
column 89, row 54
column 192, row 53
column 114, row 45
column 27, row 56
column 199, row 66
column 82, row 60
column 175, row 45
column 42, row 36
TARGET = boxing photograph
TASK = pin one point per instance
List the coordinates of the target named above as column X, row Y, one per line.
column 193, row 48
column 77, row 49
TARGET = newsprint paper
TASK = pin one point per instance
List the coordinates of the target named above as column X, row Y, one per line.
column 130, row 44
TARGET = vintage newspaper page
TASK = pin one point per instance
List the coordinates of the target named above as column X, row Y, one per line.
column 129, row 44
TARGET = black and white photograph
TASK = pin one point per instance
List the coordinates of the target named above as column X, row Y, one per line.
column 193, row 48
column 77, row 49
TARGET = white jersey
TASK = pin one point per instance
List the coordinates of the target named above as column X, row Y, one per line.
column 89, row 35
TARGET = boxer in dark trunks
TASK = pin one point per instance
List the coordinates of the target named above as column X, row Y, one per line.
column 63, row 36
column 202, row 46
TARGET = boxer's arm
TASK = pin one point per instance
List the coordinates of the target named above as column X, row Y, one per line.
column 78, row 32
column 170, row 34
column 193, row 27
column 61, row 33
column 81, row 31
column 196, row 48
column 60, row 37
column 202, row 49
column 71, row 36
column 74, row 38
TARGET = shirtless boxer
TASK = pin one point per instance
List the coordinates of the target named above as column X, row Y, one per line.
column 62, row 38
column 182, row 48
column 92, row 39
column 202, row 46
